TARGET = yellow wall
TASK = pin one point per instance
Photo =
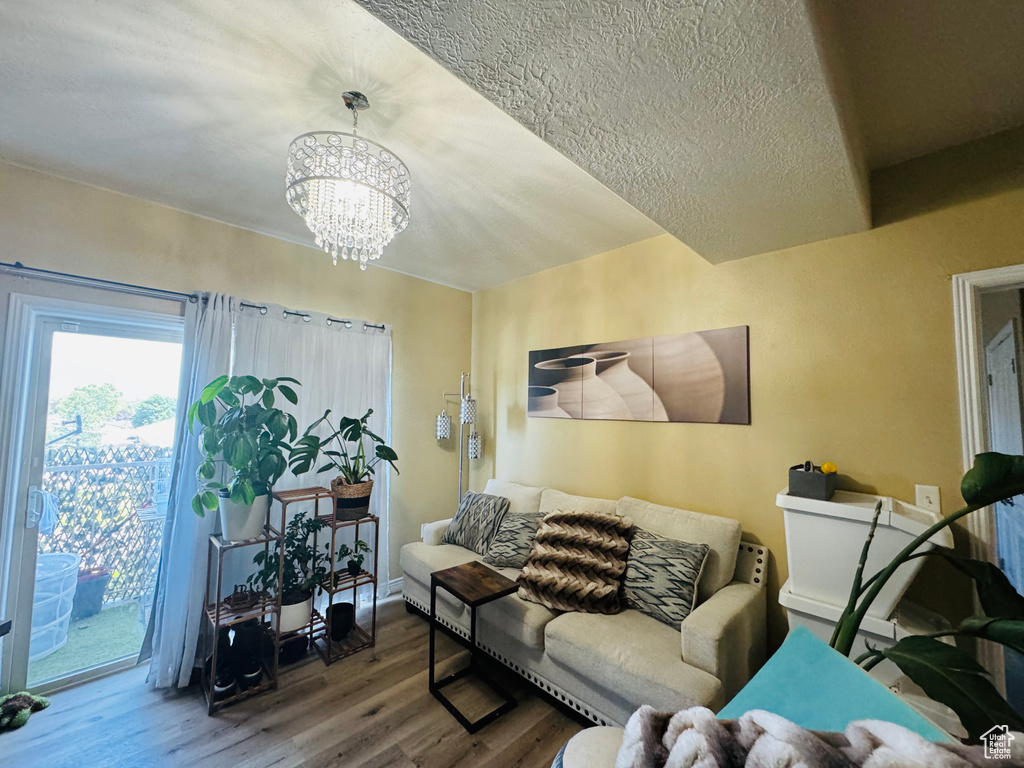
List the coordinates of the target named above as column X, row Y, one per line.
column 851, row 360
column 60, row 225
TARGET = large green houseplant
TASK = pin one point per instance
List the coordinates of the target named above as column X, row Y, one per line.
column 345, row 452
column 946, row 673
column 244, row 439
column 303, row 571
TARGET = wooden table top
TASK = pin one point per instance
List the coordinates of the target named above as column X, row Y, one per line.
column 474, row 583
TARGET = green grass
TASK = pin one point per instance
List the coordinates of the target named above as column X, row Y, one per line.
column 110, row 634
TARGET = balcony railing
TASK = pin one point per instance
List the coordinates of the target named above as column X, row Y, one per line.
column 111, row 507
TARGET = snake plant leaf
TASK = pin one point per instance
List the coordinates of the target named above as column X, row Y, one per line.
column 1009, row 632
column 950, row 676
column 994, row 477
column 997, row 595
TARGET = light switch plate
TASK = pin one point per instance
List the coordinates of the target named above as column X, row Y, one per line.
column 928, row 498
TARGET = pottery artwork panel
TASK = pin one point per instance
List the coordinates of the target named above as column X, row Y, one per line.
column 701, row 376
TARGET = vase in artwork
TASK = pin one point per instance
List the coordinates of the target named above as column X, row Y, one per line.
column 642, row 401
column 581, row 393
column 542, row 402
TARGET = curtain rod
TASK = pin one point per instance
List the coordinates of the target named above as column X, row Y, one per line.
column 19, row 269
column 307, row 317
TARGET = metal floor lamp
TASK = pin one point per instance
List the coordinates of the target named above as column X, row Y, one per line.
column 467, row 417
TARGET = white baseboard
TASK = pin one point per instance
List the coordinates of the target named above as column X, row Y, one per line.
column 395, row 585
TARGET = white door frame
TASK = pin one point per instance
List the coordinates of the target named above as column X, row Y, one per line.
column 968, row 288
column 26, row 315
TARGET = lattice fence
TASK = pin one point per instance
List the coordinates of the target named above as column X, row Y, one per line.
column 112, row 503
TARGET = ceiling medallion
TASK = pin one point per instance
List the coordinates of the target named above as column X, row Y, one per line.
column 352, row 193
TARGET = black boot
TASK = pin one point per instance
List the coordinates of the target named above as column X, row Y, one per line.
column 246, row 654
column 224, row 675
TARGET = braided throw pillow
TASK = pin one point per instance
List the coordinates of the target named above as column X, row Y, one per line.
column 577, row 562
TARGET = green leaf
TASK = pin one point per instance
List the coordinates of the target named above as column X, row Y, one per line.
column 207, row 470
column 211, row 390
column 207, row 413
column 248, row 492
column 386, row 453
column 1009, row 632
column 995, row 592
column 192, row 411
column 289, row 379
column 209, row 500
column 293, row 428
column 228, row 398
column 252, row 384
column 268, row 398
column 289, row 394
column 951, row 677
column 197, row 506
column 269, row 383
column 994, row 477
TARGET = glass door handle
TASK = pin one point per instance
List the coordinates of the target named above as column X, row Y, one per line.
column 42, row 510
column 35, row 507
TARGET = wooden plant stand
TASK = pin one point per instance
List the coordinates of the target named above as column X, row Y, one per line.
column 222, row 615
column 339, row 581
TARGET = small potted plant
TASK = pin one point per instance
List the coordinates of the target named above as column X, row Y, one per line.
column 348, row 457
column 304, row 570
column 355, row 556
column 243, row 436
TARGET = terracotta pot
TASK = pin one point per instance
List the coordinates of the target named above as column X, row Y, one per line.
column 542, row 402
column 642, row 401
column 353, row 501
column 580, row 393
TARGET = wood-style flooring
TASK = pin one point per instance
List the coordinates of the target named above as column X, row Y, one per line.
column 371, row 710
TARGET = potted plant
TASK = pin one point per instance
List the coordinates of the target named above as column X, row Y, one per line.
column 303, row 571
column 243, row 436
column 946, row 673
column 348, row 457
column 355, row 556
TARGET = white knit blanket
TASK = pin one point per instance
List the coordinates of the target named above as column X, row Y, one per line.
column 695, row 738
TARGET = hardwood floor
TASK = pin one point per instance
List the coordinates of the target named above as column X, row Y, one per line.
column 371, row 710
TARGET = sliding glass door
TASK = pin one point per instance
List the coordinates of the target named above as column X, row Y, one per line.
column 91, row 456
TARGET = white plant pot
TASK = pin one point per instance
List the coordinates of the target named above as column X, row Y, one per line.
column 296, row 615
column 243, row 521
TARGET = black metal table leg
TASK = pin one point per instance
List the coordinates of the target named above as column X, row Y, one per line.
column 474, row 668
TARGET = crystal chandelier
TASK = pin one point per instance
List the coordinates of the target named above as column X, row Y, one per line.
column 352, row 193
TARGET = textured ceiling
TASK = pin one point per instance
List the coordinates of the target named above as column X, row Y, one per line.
column 713, row 117
column 193, row 104
column 925, row 75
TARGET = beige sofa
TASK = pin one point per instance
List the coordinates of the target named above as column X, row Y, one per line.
column 605, row 667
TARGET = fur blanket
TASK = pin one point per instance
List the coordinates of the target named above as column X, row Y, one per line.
column 694, row 738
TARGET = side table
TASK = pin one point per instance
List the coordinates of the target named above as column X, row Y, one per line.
column 474, row 584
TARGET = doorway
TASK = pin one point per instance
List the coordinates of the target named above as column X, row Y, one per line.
column 93, row 457
column 1002, row 320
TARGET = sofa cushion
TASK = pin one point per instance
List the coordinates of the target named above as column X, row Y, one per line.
column 476, row 521
column 721, row 534
column 514, row 617
column 511, row 543
column 419, row 560
column 632, row 656
column 662, row 576
column 521, row 498
column 552, row 500
column 577, row 562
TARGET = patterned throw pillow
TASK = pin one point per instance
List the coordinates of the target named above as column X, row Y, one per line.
column 662, row 575
column 576, row 562
column 512, row 541
column 476, row 521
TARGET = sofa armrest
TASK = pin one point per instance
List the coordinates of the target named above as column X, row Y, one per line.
column 432, row 532
column 726, row 635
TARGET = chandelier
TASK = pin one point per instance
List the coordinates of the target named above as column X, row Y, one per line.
column 352, row 193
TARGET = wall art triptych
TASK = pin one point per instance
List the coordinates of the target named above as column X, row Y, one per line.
column 699, row 377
